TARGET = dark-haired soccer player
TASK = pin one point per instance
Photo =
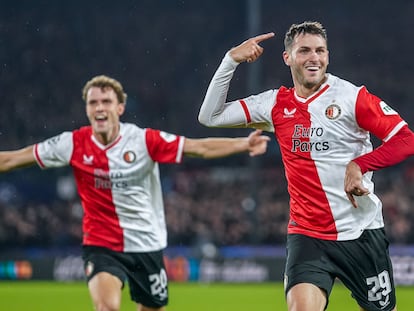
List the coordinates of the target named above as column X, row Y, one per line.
column 323, row 127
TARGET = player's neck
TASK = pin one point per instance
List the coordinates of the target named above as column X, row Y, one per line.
column 306, row 91
column 108, row 137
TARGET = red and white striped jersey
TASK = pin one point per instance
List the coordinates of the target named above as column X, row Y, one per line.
column 317, row 136
column 118, row 184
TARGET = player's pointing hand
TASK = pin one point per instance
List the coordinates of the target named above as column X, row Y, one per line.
column 250, row 50
column 353, row 183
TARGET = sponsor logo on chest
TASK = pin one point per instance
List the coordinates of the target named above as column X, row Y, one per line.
column 301, row 139
column 307, row 138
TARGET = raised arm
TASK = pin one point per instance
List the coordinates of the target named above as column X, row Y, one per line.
column 255, row 144
column 249, row 50
column 10, row 160
column 215, row 111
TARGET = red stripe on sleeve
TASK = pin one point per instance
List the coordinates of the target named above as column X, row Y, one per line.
column 36, row 154
column 246, row 111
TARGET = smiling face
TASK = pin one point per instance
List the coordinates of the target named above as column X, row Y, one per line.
column 103, row 110
column 308, row 59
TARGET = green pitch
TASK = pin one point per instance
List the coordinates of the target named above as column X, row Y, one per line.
column 48, row 296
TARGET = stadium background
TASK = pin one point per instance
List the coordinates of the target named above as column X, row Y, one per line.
column 226, row 218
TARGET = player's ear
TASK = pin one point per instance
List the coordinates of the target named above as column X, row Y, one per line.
column 327, row 63
column 121, row 109
column 286, row 58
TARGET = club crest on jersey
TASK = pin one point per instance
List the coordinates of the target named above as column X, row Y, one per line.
column 129, row 156
column 289, row 113
column 333, row 112
column 387, row 110
column 169, row 138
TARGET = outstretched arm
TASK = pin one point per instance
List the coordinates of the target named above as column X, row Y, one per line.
column 255, row 144
column 10, row 160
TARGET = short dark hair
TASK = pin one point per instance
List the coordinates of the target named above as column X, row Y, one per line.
column 308, row 27
column 104, row 82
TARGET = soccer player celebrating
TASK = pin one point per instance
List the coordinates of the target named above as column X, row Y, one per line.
column 322, row 125
column 115, row 166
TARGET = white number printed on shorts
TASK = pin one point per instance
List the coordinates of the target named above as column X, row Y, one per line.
column 159, row 284
column 381, row 288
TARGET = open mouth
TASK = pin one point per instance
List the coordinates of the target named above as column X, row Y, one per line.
column 100, row 119
column 312, row 68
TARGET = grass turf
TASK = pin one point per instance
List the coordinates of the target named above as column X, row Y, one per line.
column 45, row 296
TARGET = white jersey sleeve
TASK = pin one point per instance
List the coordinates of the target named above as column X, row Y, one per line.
column 55, row 151
column 253, row 111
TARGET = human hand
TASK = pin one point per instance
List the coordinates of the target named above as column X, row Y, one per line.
column 257, row 143
column 353, row 183
column 250, row 50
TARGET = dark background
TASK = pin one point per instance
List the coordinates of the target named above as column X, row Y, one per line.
column 165, row 53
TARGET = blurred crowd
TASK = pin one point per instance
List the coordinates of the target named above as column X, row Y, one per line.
column 217, row 205
column 164, row 52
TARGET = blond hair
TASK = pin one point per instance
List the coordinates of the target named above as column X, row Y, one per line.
column 104, row 82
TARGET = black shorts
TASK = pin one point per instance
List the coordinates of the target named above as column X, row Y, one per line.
column 363, row 265
column 144, row 272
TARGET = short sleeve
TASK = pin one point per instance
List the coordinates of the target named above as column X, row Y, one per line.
column 55, row 151
column 164, row 147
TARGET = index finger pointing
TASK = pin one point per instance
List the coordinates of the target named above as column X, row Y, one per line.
column 263, row 37
column 352, row 199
